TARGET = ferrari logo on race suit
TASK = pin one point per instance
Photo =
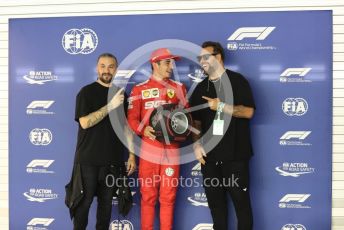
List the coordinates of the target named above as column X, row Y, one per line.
column 170, row 93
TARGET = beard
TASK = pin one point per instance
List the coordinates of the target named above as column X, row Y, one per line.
column 209, row 71
column 103, row 78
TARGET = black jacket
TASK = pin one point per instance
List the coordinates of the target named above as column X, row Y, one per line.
column 74, row 190
column 122, row 191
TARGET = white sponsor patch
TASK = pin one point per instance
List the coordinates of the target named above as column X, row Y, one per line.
column 150, row 93
column 169, row 171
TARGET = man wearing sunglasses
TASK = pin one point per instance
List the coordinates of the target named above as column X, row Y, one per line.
column 225, row 119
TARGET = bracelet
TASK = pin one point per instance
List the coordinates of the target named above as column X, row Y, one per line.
column 220, row 107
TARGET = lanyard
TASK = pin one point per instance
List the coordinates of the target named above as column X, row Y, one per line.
column 219, row 109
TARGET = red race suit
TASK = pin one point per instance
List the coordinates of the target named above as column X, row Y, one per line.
column 159, row 162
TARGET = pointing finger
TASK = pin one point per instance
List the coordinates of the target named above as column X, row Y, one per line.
column 120, row 91
column 207, row 98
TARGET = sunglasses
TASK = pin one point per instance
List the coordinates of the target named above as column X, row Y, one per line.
column 205, row 56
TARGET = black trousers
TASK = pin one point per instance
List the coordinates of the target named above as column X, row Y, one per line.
column 221, row 178
column 94, row 183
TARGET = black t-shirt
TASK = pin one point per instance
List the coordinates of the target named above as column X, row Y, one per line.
column 98, row 145
column 235, row 144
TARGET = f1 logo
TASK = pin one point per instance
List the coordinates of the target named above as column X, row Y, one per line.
column 293, row 227
column 41, row 221
column 40, row 104
column 295, row 197
column 301, row 135
column 203, row 226
column 295, row 71
column 260, row 33
column 124, row 73
column 197, row 167
column 41, row 163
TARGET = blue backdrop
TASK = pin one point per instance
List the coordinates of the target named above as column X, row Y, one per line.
column 286, row 56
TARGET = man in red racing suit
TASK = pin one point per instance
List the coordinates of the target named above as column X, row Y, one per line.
column 159, row 162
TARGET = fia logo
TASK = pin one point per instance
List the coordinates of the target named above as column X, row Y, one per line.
column 232, row 46
column 80, row 41
column 121, row 225
column 40, row 136
column 295, row 106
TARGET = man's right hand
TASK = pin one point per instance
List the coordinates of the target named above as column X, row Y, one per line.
column 148, row 132
column 199, row 153
column 117, row 99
